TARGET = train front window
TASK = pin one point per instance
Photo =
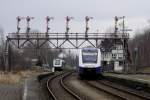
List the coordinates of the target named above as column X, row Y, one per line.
column 89, row 56
column 57, row 62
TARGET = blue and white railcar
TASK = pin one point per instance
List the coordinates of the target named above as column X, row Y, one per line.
column 89, row 61
column 58, row 64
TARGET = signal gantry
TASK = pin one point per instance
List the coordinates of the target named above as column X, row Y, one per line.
column 58, row 40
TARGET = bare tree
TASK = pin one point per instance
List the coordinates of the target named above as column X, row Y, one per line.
column 2, row 46
column 140, row 48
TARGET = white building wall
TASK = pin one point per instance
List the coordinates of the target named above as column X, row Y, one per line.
column 106, row 56
column 117, row 67
column 118, row 52
column 116, row 55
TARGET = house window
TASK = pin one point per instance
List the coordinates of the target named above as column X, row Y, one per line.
column 120, row 63
column 120, row 56
column 114, row 55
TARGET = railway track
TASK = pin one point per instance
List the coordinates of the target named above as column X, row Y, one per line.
column 60, row 91
column 117, row 90
column 140, row 94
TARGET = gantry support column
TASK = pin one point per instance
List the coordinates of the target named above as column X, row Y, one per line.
column 7, row 56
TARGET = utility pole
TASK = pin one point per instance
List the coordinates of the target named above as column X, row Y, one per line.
column 48, row 19
column 18, row 23
column 28, row 19
column 67, row 26
column 135, row 58
column 18, row 27
column 123, row 39
column 124, row 46
column 116, row 23
column 87, row 18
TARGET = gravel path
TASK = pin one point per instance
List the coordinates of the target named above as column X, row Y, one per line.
column 87, row 92
column 115, row 91
column 10, row 92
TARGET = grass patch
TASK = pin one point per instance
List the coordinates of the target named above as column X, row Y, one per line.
column 17, row 77
column 10, row 78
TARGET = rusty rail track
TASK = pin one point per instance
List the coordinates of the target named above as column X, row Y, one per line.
column 128, row 96
column 130, row 91
column 62, row 76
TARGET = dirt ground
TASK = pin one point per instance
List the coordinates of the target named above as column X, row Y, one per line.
column 144, row 70
column 17, row 77
column 12, row 83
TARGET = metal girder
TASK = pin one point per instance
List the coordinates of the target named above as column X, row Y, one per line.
column 57, row 38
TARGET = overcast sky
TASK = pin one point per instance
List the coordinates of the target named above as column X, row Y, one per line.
column 137, row 13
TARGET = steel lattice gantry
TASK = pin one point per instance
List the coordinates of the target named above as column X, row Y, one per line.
column 58, row 40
